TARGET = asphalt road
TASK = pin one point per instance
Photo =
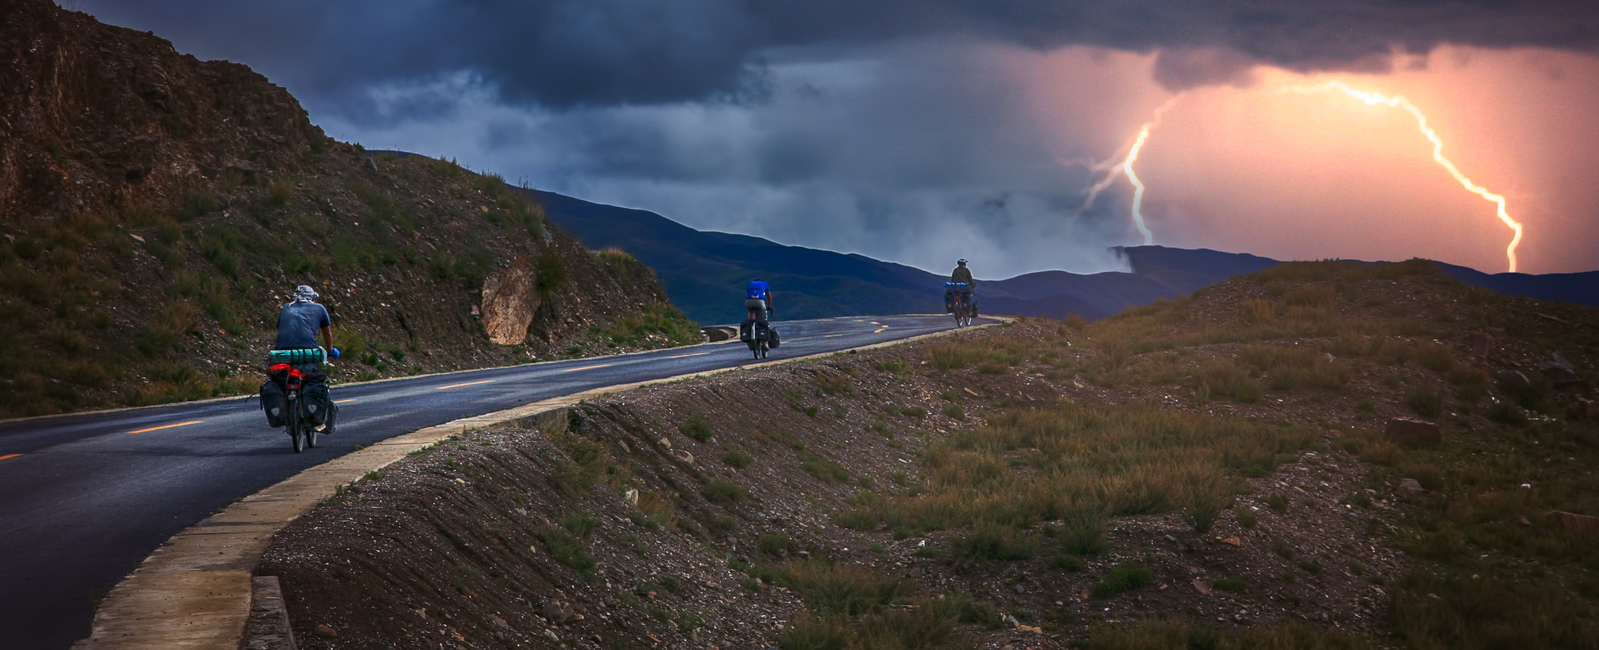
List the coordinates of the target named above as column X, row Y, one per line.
column 85, row 498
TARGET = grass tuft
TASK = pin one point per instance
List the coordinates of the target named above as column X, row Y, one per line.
column 697, row 427
column 1124, row 577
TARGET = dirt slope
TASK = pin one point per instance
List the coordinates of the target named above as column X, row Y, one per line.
column 157, row 210
column 472, row 521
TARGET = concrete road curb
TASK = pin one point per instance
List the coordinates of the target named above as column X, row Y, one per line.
column 194, row 592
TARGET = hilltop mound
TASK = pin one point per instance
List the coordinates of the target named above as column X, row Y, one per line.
column 1211, row 471
column 158, row 209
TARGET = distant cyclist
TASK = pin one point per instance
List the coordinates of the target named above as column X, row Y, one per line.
column 962, row 275
column 758, row 300
column 298, row 324
column 960, row 285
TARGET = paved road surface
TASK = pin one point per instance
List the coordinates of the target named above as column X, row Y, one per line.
column 84, row 498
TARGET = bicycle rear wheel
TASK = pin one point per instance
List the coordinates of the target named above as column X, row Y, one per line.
column 294, row 425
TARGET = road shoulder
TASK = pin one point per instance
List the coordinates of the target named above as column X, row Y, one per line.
column 195, row 590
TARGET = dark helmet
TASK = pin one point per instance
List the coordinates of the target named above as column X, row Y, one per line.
column 960, row 261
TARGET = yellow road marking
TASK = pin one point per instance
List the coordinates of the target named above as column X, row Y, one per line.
column 696, row 354
column 9, row 456
column 344, row 401
column 169, row 426
column 833, row 335
column 589, row 367
column 471, row 383
column 876, row 323
column 879, row 331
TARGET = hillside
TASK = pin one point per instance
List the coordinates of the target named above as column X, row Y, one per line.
column 157, row 210
column 1252, row 465
column 705, row 271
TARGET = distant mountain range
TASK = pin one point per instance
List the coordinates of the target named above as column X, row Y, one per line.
column 705, row 273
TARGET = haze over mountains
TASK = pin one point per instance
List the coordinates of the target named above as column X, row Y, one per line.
column 705, row 272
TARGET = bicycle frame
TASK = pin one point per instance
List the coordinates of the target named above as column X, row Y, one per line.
column 301, row 432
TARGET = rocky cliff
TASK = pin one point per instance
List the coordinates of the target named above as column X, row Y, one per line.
column 156, row 210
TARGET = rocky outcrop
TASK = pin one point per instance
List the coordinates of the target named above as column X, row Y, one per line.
column 1561, row 372
column 510, row 300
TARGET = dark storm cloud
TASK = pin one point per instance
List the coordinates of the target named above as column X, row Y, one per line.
column 565, row 53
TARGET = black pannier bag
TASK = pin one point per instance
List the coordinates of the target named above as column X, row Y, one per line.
column 317, row 401
column 314, row 390
column 763, row 332
column 746, row 331
column 275, row 403
column 771, row 334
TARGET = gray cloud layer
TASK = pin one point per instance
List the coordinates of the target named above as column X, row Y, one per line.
column 564, row 53
column 895, row 128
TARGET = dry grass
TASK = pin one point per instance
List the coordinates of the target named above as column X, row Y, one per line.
column 995, row 353
column 1290, row 367
column 1179, row 635
column 1489, row 580
column 281, row 189
column 1080, row 464
column 614, row 258
column 586, row 460
column 856, row 608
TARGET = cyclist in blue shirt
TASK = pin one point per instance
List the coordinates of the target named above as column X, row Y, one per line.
column 300, row 321
column 758, row 300
column 298, row 324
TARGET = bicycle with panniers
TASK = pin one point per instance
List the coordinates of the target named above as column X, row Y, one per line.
column 295, row 395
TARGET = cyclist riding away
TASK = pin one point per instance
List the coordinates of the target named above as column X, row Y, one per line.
column 298, row 324
column 963, row 284
column 758, row 300
column 962, row 275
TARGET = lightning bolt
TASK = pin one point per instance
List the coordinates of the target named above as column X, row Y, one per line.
column 1396, row 101
column 1124, row 166
column 1138, row 193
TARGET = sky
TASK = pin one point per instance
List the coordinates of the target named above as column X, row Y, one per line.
column 924, row 131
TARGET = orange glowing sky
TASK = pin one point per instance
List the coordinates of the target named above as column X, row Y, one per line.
column 1297, row 176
